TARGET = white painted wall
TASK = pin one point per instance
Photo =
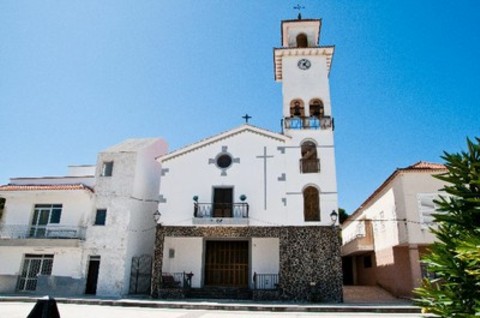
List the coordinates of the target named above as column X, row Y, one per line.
column 130, row 197
column 188, row 257
column 19, row 206
column 305, row 84
column 397, row 202
column 413, row 184
column 265, row 255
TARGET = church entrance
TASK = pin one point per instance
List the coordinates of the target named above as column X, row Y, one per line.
column 226, row 263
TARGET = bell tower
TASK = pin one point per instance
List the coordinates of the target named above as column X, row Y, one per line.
column 303, row 67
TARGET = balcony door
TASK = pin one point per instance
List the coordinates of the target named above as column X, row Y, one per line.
column 222, row 202
column 44, row 215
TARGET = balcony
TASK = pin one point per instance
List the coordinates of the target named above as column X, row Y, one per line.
column 227, row 213
column 359, row 245
column 299, row 122
column 310, row 165
column 21, row 232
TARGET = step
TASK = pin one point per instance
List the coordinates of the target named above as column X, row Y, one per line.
column 219, row 293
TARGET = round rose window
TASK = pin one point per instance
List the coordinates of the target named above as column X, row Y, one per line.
column 224, row 161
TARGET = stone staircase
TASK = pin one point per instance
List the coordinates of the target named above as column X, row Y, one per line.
column 368, row 294
column 219, row 293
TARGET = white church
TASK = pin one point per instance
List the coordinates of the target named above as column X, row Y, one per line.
column 248, row 213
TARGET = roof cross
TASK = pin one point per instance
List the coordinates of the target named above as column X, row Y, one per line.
column 246, row 117
column 299, row 8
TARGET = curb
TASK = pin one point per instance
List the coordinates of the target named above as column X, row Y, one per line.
column 233, row 306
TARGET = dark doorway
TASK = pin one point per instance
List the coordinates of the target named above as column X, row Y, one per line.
column 222, row 202
column 92, row 276
column 347, row 268
column 226, row 263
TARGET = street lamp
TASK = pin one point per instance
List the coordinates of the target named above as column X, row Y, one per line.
column 157, row 216
column 334, row 217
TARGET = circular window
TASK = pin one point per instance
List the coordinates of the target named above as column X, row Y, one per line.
column 224, row 161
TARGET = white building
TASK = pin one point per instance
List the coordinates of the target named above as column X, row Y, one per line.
column 252, row 209
column 78, row 234
column 384, row 239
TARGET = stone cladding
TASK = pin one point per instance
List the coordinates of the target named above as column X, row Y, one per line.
column 310, row 262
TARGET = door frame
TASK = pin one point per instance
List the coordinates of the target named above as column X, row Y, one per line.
column 92, row 258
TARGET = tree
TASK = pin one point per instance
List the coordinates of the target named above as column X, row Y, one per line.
column 454, row 259
column 342, row 215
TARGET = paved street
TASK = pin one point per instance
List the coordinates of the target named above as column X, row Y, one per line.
column 21, row 310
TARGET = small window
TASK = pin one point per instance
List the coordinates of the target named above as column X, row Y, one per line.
column 316, row 108
column 100, row 217
column 107, row 169
column 309, row 162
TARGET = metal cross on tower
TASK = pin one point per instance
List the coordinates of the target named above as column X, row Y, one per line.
column 299, row 8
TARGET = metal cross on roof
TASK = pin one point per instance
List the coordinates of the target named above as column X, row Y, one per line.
column 246, row 117
column 299, row 8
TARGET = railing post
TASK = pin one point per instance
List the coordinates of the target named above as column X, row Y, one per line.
column 254, row 280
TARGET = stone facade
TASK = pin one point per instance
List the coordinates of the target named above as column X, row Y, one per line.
column 310, row 264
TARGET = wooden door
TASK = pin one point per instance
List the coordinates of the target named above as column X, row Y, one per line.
column 311, row 204
column 222, row 202
column 226, row 263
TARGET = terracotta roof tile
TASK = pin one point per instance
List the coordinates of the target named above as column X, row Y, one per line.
column 44, row 187
column 425, row 165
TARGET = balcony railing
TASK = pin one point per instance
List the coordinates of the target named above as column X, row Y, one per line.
column 18, row 231
column 176, row 280
column 220, row 210
column 298, row 122
column 265, row 281
column 309, row 165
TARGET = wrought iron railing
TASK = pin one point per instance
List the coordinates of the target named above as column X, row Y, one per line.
column 220, row 210
column 19, row 231
column 265, row 281
column 176, row 280
column 299, row 122
column 309, row 165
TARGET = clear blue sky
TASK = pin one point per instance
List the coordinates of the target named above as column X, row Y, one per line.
column 79, row 76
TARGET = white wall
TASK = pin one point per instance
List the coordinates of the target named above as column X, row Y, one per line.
column 190, row 175
column 188, row 257
column 412, row 185
column 265, row 255
column 305, row 84
column 19, row 206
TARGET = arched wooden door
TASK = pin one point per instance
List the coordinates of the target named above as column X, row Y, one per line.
column 311, row 204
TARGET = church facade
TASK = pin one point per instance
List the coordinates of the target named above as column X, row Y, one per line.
column 251, row 209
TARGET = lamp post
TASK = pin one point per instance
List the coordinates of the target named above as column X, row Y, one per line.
column 157, row 216
column 334, row 217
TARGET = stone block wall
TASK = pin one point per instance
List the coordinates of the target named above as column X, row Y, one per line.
column 310, row 262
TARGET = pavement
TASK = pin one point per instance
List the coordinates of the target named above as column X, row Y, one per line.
column 396, row 307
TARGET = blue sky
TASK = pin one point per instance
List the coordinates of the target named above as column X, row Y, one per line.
column 79, row 76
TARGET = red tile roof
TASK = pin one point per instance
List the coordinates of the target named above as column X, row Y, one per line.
column 425, row 165
column 44, row 187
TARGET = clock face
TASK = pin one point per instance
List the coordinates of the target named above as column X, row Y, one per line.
column 304, row 64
